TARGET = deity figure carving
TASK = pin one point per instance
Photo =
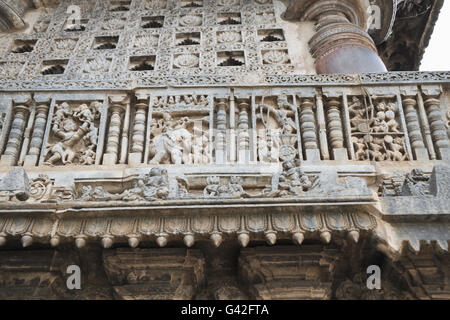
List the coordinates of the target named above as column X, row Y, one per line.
column 76, row 130
column 283, row 114
column 172, row 142
column 282, row 137
column 293, row 181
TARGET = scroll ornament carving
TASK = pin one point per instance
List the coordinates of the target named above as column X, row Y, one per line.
column 75, row 134
column 43, row 189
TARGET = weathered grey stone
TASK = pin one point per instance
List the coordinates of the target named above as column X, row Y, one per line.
column 440, row 182
column 16, row 183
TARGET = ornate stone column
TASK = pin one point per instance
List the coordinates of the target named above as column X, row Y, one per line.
column 309, row 130
column 118, row 107
column 37, row 138
column 13, row 147
column 221, row 129
column 341, row 43
column 243, row 129
column 138, row 131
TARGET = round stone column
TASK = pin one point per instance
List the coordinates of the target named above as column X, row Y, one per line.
column 341, row 43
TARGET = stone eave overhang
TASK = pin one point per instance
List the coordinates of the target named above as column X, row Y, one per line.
column 416, row 39
column 227, row 219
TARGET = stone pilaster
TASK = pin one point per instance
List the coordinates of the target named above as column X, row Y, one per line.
column 117, row 109
column 13, row 147
column 138, row 130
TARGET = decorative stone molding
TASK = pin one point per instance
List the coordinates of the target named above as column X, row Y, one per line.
column 154, row 274
column 286, row 273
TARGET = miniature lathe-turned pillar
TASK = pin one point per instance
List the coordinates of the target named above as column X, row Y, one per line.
column 341, row 43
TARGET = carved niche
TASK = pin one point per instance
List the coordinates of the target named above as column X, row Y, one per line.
column 376, row 130
column 74, row 134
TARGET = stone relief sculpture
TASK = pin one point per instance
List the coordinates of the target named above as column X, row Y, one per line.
column 279, row 127
column 74, row 134
column 233, row 189
column 185, row 101
column 376, row 133
column 416, row 183
column 293, row 182
column 43, row 189
column 178, row 141
column 171, row 138
column 149, row 187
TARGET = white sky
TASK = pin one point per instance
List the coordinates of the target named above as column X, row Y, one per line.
column 437, row 55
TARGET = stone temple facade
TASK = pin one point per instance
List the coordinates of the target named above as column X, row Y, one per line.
column 222, row 149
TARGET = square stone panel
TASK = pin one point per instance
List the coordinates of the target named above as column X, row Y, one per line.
column 145, row 41
column 142, row 63
column 191, row 3
column 23, row 46
column 271, row 35
column 119, row 6
column 152, row 22
column 230, row 36
column 54, row 67
column 186, row 39
column 230, row 58
column 186, row 60
column 104, row 43
column 229, row 18
column 190, row 20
